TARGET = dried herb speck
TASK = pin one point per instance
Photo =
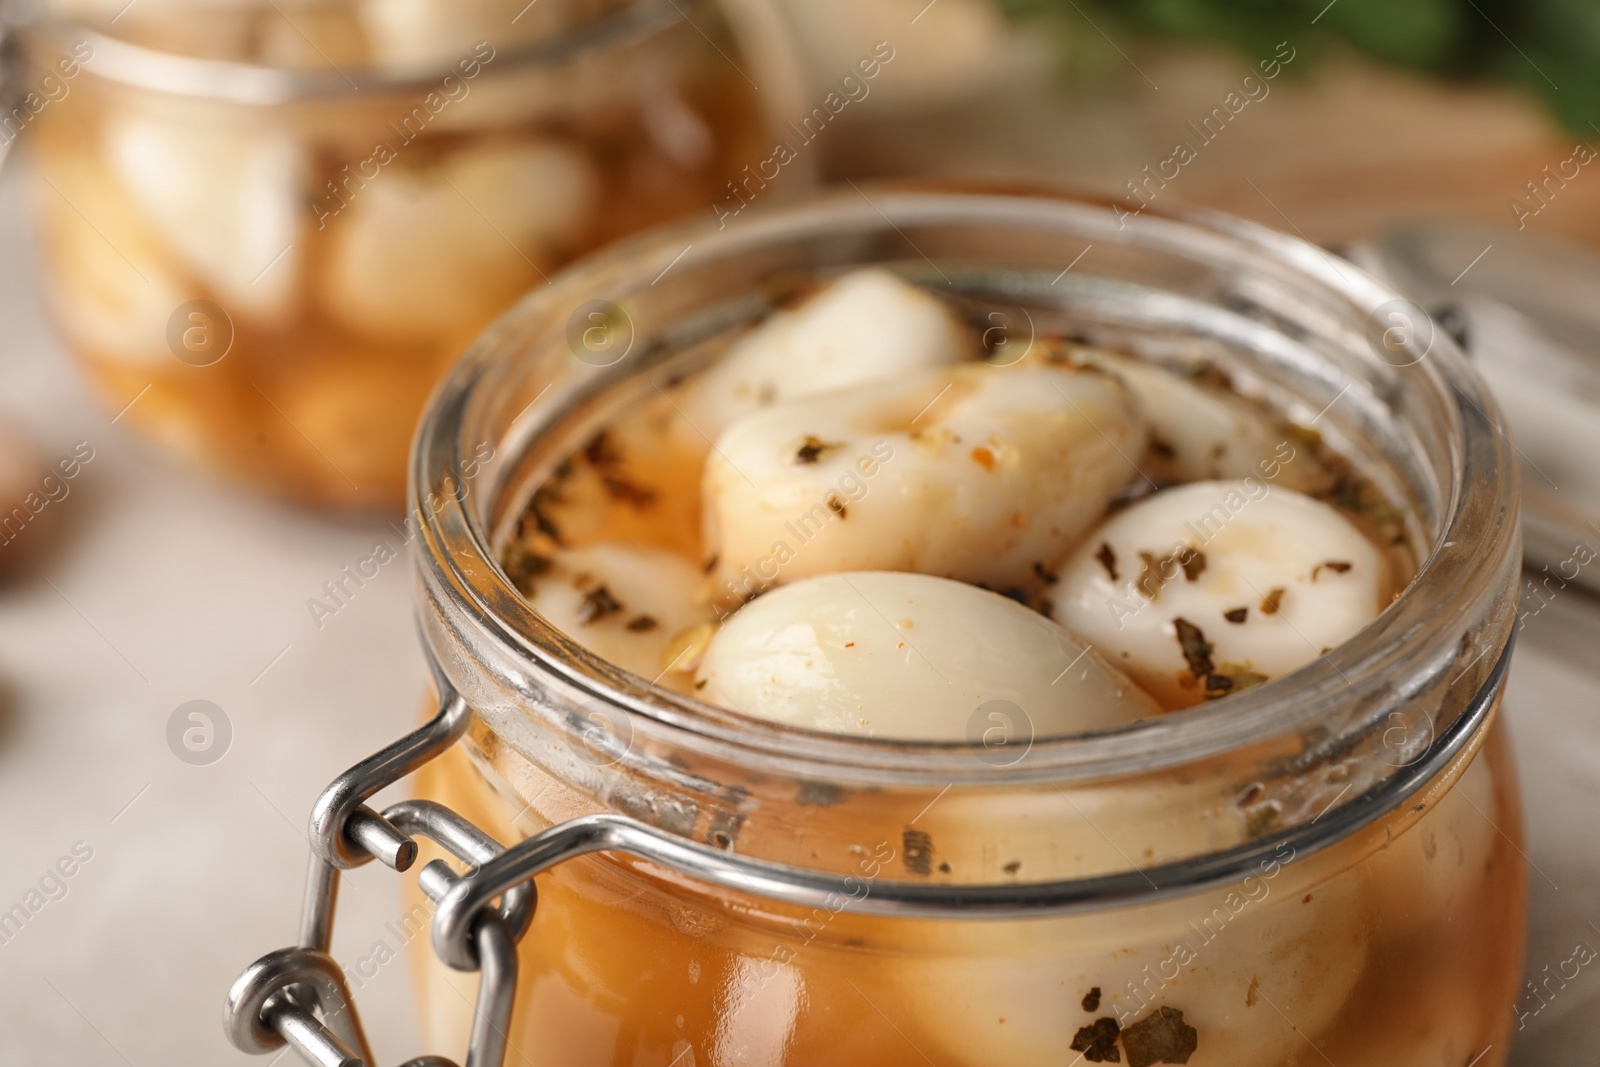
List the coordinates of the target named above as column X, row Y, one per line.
column 836, row 506
column 1273, row 600
column 918, row 849
column 600, row 452
column 1158, row 572
column 1337, row 566
column 522, row 565
column 621, row 489
column 1098, row 1041
column 1236, row 615
column 1091, row 1000
column 1160, row 1037
column 597, row 604
column 1044, row 576
column 1233, row 678
column 1108, row 560
column 1152, row 578
column 812, row 449
column 541, row 521
column 1013, row 867
column 1196, row 649
column 642, row 624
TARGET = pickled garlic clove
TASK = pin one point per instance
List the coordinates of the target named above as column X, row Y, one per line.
column 1206, row 589
column 229, row 200
column 907, row 656
column 1205, row 433
column 436, row 251
column 977, row 473
column 1256, row 970
column 624, row 603
column 867, row 326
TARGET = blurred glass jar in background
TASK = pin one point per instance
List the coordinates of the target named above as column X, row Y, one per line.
column 268, row 227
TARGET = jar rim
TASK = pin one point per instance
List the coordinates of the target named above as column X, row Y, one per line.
column 1475, row 542
column 263, row 85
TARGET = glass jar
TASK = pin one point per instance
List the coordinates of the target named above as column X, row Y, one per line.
column 1322, row 869
column 267, row 228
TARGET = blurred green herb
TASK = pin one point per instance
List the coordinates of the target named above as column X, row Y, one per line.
column 1549, row 46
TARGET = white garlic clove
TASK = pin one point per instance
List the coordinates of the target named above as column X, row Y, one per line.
column 230, row 201
column 978, row 473
column 1208, row 588
column 867, row 326
column 626, row 604
column 435, row 252
column 907, row 656
column 1230, row 961
column 1204, row 433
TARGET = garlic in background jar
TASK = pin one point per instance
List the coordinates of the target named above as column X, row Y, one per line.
column 425, row 249
column 227, row 201
column 865, row 326
column 359, row 187
column 908, row 656
column 975, row 473
column 1210, row 588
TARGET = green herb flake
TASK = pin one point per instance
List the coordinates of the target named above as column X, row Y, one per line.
column 1196, row 649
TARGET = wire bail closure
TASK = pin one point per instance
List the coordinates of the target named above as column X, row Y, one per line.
column 298, row 996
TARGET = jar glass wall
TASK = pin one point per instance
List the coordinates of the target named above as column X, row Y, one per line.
column 1324, row 866
column 275, row 225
